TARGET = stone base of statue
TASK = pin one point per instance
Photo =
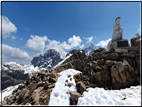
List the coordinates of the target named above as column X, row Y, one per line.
column 118, row 44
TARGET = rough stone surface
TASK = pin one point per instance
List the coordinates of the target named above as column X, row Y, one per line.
column 74, row 95
column 123, row 75
column 80, row 87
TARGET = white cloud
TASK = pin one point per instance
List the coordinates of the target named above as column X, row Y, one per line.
column 36, row 44
column 89, row 39
column 13, row 37
column 14, row 54
column 82, row 46
column 73, row 42
column 53, row 44
column 103, row 43
column 7, row 27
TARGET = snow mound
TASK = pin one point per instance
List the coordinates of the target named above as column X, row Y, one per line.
column 102, row 97
column 63, row 60
column 61, row 94
column 8, row 91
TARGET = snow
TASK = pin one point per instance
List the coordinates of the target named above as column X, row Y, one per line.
column 61, row 94
column 12, row 66
column 8, row 91
column 63, row 60
column 102, row 97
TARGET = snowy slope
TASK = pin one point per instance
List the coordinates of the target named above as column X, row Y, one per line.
column 61, row 94
column 63, row 60
column 8, row 91
column 13, row 66
column 100, row 97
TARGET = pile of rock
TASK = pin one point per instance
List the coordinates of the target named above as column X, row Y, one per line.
column 35, row 91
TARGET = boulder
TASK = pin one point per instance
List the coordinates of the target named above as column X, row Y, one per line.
column 123, row 75
column 135, row 42
column 80, row 87
column 74, row 95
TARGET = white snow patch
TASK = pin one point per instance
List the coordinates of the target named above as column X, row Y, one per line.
column 8, row 91
column 63, row 60
column 61, row 94
column 102, row 97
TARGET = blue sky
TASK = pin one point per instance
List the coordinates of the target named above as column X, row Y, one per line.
column 53, row 24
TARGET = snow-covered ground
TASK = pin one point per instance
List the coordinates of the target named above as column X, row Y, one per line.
column 61, row 94
column 8, row 91
column 63, row 60
column 101, row 97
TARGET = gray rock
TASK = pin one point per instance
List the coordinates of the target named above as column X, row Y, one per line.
column 121, row 50
column 80, row 87
column 74, row 95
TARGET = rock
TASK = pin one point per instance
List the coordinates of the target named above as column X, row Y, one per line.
column 123, row 75
column 51, row 86
column 26, row 95
column 21, row 86
column 53, row 75
column 36, row 95
column 52, row 80
column 39, row 84
column 70, row 84
column 109, row 63
column 102, row 78
column 74, row 95
column 121, row 50
column 80, row 87
column 135, row 42
column 69, row 75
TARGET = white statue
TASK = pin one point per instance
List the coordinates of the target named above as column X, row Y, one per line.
column 117, row 30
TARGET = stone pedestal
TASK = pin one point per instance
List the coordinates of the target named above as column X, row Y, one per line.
column 119, row 44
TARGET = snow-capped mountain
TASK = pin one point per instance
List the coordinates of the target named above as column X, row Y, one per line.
column 16, row 67
column 14, row 73
column 47, row 60
column 90, row 49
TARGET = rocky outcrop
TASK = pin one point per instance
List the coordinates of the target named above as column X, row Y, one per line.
column 123, row 75
column 35, row 91
column 110, row 70
column 48, row 60
column 135, row 42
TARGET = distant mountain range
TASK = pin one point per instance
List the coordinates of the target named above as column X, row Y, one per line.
column 14, row 73
column 89, row 49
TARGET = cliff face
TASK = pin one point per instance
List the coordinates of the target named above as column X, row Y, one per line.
column 110, row 70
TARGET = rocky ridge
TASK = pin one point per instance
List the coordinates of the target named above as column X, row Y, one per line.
column 108, row 69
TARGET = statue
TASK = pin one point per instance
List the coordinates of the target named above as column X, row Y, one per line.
column 117, row 30
column 117, row 40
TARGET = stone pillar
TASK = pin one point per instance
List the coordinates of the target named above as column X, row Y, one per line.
column 117, row 30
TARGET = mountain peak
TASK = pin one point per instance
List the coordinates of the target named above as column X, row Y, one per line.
column 89, row 49
column 47, row 60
